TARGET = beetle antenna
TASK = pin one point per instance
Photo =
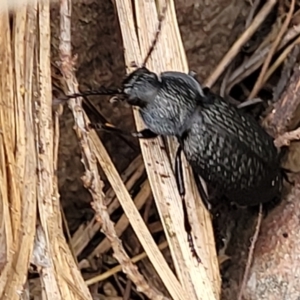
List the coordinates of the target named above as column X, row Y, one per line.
column 154, row 42
column 104, row 91
column 101, row 91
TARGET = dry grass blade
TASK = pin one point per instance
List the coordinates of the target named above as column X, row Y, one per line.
column 199, row 282
column 254, row 6
column 27, row 168
column 7, row 237
column 14, row 5
column 60, row 277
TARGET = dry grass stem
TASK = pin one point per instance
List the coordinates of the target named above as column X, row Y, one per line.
column 17, row 169
column 143, row 195
column 10, row 189
column 137, row 224
column 249, row 19
column 61, row 279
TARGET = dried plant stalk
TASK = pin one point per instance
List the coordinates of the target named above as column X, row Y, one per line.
column 203, row 281
column 60, row 277
column 18, row 198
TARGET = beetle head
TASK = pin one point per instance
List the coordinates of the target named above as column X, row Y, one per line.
column 141, row 87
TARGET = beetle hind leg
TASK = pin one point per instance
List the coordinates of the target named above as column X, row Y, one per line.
column 181, row 189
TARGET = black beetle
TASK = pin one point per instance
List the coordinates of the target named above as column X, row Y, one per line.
column 225, row 146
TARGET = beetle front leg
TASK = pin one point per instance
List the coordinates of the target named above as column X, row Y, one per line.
column 143, row 134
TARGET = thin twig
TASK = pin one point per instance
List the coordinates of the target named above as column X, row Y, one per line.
column 259, row 82
column 251, row 251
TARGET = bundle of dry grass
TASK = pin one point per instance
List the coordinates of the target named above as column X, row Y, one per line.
column 31, row 222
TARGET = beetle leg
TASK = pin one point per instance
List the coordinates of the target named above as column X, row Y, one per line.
column 202, row 192
column 181, row 189
column 284, row 173
column 143, row 134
